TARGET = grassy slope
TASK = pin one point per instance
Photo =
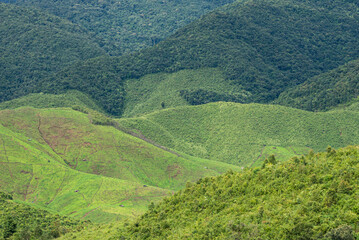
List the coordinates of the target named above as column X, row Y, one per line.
column 244, row 134
column 33, row 175
column 312, row 197
column 325, row 91
column 49, row 154
column 43, row 100
column 146, row 94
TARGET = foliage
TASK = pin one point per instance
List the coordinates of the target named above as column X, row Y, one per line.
column 33, row 45
column 246, row 134
column 311, row 197
column 325, row 91
column 20, row 221
column 125, row 26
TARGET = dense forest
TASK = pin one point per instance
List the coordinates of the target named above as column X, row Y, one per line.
column 33, row 45
column 122, row 27
column 326, row 90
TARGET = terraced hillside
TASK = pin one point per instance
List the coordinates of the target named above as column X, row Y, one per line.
column 245, row 134
column 58, row 159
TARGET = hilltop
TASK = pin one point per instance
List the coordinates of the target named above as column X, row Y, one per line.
column 245, row 134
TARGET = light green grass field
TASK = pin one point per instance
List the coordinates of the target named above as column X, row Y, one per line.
column 43, row 100
column 59, row 160
column 145, row 95
column 36, row 177
column 244, row 134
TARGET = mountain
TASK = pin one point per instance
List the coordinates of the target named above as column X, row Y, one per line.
column 260, row 48
column 246, row 134
column 311, row 197
column 326, row 90
column 125, row 26
column 33, row 45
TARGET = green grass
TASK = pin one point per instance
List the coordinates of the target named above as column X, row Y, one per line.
column 59, row 160
column 245, row 134
column 36, row 177
column 146, row 94
column 43, row 100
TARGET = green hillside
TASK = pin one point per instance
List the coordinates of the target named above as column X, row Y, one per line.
column 31, row 172
column 164, row 90
column 125, row 26
column 325, row 91
column 58, row 159
column 262, row 47
column 312, row 197
column 42, row 100
column 20, row 221
column 245, row 134
column 33, row 45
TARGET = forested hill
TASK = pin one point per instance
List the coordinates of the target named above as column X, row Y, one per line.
column 34, row 44
column 129, row 25
column 325, row 91
column 312, row 197
column 263, row 47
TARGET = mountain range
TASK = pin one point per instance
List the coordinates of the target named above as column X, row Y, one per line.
column 179, row 119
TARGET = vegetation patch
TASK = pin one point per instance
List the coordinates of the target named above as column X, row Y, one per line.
column 310, row 197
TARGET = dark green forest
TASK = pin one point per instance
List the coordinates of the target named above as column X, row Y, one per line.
column 323, row 92
column 33, row 45
column 121, row 27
